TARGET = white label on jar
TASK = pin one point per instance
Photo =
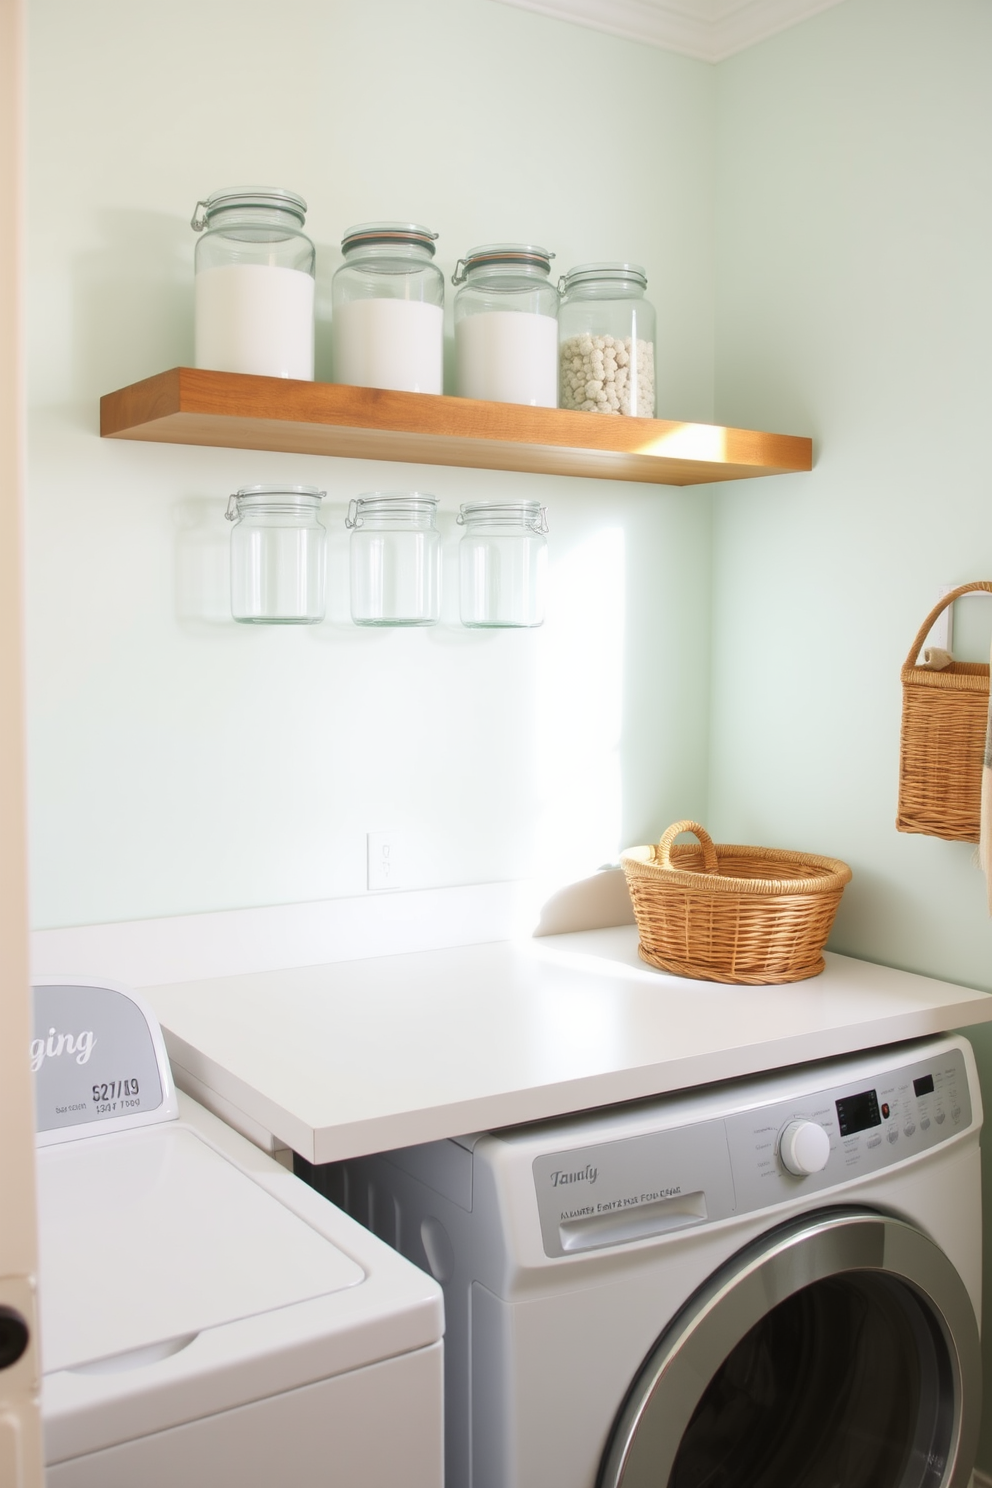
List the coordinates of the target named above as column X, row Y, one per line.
column 389, row 344
column 255, row 318
column 508, row 356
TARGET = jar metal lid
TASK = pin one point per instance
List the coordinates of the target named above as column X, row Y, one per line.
column 616, row 272
column 273, row 496
column 520, row 513
column 264, row 197
column 389, row 232
column 391, row 503
column 527, row 255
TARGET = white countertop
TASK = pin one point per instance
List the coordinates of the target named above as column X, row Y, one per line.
column 362, row 1056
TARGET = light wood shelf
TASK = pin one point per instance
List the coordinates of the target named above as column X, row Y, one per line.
column 188, row 406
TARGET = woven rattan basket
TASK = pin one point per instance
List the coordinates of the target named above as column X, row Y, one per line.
column 942, row 747
column 750, row 915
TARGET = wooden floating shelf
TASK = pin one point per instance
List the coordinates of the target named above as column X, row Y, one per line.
column 188, row 406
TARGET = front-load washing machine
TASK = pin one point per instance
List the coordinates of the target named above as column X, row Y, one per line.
column 207, row 1321
column 769, row 1283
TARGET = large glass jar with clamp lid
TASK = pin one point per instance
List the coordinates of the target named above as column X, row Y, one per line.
column 502, row 559
column 254, row 283
column 395, row 559
column 277, row 555
column 387, row 320
column 506, row 325
column 607, row 332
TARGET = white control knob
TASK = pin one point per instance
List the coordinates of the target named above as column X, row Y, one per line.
column 804, row 1148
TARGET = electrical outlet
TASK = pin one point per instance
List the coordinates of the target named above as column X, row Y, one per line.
column 385, row 865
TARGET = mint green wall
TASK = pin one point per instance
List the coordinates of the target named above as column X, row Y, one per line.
column 854, row 272
column 182, row 763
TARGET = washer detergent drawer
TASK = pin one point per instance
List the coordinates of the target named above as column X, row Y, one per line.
column 591, row 1197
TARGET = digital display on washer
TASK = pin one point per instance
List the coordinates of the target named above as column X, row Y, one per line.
column 856, row 1113
column 924, row 1085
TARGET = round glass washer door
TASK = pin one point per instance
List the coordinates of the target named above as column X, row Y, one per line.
column 840, row 1351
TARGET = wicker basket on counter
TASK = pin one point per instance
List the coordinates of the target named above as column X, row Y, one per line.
column 942, row 745
column 722, row 913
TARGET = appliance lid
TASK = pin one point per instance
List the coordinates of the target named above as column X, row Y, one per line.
column 148, row 1237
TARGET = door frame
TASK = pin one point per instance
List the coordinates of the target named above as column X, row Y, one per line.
column 20, row 1413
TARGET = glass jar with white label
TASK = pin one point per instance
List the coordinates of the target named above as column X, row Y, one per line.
column 506, row 325
column 502, row 560
column 387, row 309
column 607, row 331
column 254, row 283
column 277, row 555
column 395, row 558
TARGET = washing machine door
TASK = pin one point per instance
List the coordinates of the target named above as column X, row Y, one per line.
column 840, row 1351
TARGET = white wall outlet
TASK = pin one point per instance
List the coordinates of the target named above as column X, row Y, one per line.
column 385, row 861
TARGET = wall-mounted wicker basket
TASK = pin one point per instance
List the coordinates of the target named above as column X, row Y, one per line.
column 722, row 913
column 942, row 746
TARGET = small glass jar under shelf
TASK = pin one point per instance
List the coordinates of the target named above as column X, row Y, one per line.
column 607, row 331
column 254, row 284
column 277, row 555
column 387, row 319
column 502, row 560
column 395, row 559
column 506, row 325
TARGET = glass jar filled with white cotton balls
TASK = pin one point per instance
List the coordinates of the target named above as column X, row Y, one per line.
column 607, row 340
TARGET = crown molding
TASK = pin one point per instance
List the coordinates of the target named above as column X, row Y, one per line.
column 708, row 30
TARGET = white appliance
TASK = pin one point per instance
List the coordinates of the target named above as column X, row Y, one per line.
column 207, row 1319
column 772, row 1282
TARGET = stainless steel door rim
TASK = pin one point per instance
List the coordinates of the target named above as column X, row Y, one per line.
column 835, row 1243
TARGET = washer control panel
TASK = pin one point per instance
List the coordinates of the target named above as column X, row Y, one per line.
column 630, row 1188
column 864, row 1127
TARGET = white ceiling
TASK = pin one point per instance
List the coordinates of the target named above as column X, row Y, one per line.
column 706, row 29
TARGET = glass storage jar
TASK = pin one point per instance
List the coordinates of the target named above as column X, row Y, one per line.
column 607, row 332
column 277, row 555
column 387, row 309
column 254, row 283
column 506, row 325
column 502, row 560
column 395, row 559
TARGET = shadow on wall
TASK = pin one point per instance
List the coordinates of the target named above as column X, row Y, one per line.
column 593, row 903
column 203, row 569
column 132, row 302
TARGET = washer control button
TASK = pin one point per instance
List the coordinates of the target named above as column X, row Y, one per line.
column 874, row 1141
column 940, row 1118
column 804, row 1148
column 909, row 1128
column 893, row 1134
column 885, row 1110
column 925, row 1123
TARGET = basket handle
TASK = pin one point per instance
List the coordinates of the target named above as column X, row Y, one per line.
column 663, row 852
column 978, row 586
